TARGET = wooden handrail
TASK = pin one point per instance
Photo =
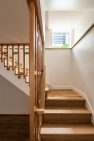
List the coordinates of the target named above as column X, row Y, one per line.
column 15, row 44
column 87, row 31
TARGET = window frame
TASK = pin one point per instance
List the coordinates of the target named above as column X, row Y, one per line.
column 58, row 45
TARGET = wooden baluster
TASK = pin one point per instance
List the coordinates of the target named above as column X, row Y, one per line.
column 24, row 61
column 15, row 59
column 1, row 53
column 7, row 58
column 19, row 62
column 12, row 57
column 29, row 63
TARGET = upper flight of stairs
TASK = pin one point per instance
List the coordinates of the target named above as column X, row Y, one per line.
column 15, row 56
column 66, row 118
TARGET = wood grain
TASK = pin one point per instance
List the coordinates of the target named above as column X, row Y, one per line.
column 14, row 126
column 66, row 118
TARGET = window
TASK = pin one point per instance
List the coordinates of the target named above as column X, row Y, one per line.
column 60, row 40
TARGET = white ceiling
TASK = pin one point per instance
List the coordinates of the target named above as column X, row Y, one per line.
column 60, row 5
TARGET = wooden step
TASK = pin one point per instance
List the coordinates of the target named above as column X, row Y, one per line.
column 66, row 116
column 65, row 101
column 80, row 132
column 61, row 91
column 64, row 92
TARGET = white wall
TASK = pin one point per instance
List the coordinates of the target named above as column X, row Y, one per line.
column 59, row 60
column 14, row 21
column 74, row 22
column 64, row 21
column 86, row 21
column 58, row 67
column 83, row 67
column 12, row 99
column 14, row 93
column 12, row 78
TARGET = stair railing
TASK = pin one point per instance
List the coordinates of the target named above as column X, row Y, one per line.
column 14, row 56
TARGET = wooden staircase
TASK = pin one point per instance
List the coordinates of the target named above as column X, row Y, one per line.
column 15, row 56
column 66, row 118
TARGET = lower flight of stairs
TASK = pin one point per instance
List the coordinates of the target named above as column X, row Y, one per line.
column 66, row 118
column 14, row 127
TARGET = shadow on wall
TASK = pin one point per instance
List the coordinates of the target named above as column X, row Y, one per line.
column 83, row 71
column 78, row 75
column 12, row 99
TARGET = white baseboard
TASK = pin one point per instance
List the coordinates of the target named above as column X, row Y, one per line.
column 87, row 104
column 78, row 91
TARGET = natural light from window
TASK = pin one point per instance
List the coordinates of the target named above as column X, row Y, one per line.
column 60, row 40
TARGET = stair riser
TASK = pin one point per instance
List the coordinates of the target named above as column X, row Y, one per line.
column 66, row 118
column 67, row 137
column 65, row 103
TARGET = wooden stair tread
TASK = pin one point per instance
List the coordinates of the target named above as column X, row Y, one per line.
column 61, row 90
column 64, row 108
column 68, row 129
column 65, row 98
column 55, row 125
column 58, row 95
column 66, row 111
column 62, row 94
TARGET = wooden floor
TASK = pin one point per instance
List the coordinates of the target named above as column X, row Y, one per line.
column 14, row 127
column 14, row 139
column 66, row 118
